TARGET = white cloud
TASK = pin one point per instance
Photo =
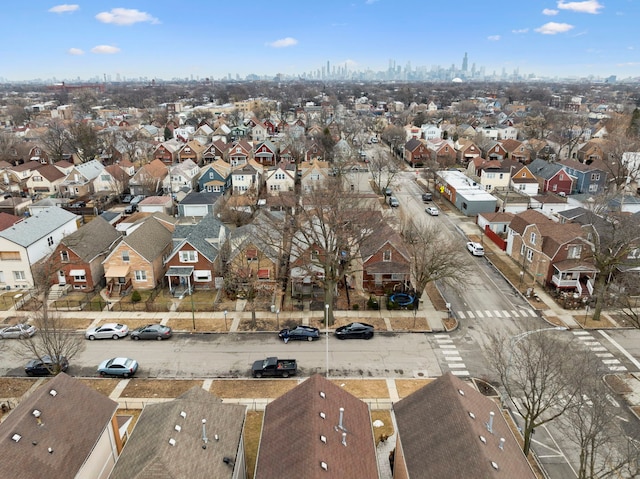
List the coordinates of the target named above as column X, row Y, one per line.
column 64, row 8
column 493, row 38
column 105, row 49
column 552, row 28
column 521, row 30
column 125, row 16
column 75, row 51
column 283, row 42
column 587, row 6
column 550, row 11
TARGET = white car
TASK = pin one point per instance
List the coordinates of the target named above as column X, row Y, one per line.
column 432, row 210
column 17, row 331
column 107, row 331
column 475, row 249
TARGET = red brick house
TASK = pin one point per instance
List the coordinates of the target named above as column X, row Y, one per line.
column 416, row 152
column 386, row 262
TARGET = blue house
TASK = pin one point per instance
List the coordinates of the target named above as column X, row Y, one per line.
column 590, row 178
column 215, row 177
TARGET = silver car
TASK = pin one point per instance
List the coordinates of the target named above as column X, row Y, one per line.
column 18, row 331
column 107, row 331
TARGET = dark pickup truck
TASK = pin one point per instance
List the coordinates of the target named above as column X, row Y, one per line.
column 274, row 367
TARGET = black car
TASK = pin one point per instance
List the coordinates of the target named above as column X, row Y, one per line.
column 36, row 367
column 299, row 333
column 355, row 331
column 426, row 197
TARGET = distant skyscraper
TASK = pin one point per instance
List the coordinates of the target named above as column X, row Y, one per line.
column 465, row 62
column 328, row 69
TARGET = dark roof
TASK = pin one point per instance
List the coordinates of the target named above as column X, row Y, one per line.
column 293, row 428
column 440, row 439
column 72, row 422
column 91, row 239
column 201, row 198
column 149, row 239
column 544, row 169
column 148, row 453
column 412, row 144
column 200, row 236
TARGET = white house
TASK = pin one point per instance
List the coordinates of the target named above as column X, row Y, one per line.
column 27, row 242
column 490, row 132
column 280, row 178
column 431, row 132
column 506, row 132
column 246, row 177
column 181, row 175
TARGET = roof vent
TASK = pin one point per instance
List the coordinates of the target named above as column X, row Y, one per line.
column 471, row 415
column 50, row 450
column 324, row 466
column 172, row 441
column 323, row 415
column 178, row 428
column 501, row 445
column 36, row 413
column 16, row 437
column 494, row 465
column 322, row 394
column 323, row 439
column 483, row 439
column 53, row 393
column 183, row 414
column 490, row 423
column 344, row 438
column 461, row 392
column 228, row 461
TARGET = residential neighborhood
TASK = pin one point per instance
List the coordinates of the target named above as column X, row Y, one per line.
column 226, row 217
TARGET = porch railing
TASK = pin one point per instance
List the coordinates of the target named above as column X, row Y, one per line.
column 564, row 283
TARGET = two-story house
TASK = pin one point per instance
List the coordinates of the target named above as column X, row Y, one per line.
column 280, row 178
column 194, row 261
column 215, row 177
column 416, row 152
column 182, row 176
column 137, row 261
column 192, row 150
column 466, row 150
column 247, row 177
column 590, row 178
column 429, row 131
column 239, row 153
column 149, row 178
column 516, row 150
column 45, row 181
column 524, row 181
column 551, row 253
column 265, row 153
column 80, row 181
column 26, row 243
column 167, row 151
column 552, row 177
column 78, row 258
column 386, row 262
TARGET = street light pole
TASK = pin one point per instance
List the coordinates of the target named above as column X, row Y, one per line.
column 225, row 320
column 326, row 330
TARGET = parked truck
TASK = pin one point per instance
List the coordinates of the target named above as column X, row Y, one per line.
column 274, row 367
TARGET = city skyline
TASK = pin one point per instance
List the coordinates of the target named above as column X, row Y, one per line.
column 333, row 39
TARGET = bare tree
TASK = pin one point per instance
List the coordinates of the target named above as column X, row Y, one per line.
column 8, row 144
column 619, row 141
column 540, row 374
column 433, row 258
column 53, row 339
column 384, row 169
column 84, row 141
column 56, row 140
column 591, row 423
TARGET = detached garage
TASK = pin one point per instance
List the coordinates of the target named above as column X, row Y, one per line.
column 464, row 193
column 199, row 204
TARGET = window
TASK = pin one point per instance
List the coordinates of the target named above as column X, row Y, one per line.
column 19, row 276
column 561, row 177
column 574, row 252
column 529, row 255
column 274, row 187
column 522, row 249
column 188, row 256
column 211, row 175
column 81, row 278
column 50, row 241
column 252, row 254
column 595, row 176
column 37, row 178
column 397, row 277
column 490, row 175
column 105, row 177
column 314, row 255
column 593, row 188
column 64, row 256
column 125, row 256
column 501, row 175
column 555, row 188
column 532, row 238
column 202, row 275
column 279, row 176
column 141, row 275
column 386, row 255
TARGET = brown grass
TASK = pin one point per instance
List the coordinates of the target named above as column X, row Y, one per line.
column 104, row 386
column 75, row 323
column 202, row 324
column 386, row 430
column 261, row 324
column 617, row 383
column 408, row 386
column 252, row 431
column 410, row 324
column 590, row 323
column 158, row 388
column 15, row 387
column 252, row 388
column 364, row 388
column 435, row 297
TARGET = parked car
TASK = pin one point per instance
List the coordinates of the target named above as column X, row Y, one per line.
column 78, row 204
column 107, row 331
column 475, row 249
column 388, row 192
column 275, row 367
column 432, row 210
column 18, row 331
column 130, row 209
column 127, row 198
column 393, row 202
column 124, row 367
column 299, row 333
column 46, row 366
column 427, row 197
column 355, row 331
column 151, row 331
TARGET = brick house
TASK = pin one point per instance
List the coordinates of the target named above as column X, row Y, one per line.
column 416, row 152
column 194, row 261
column 552, row 177
column 137, row 261
column 386, row 262
column 79, row 256
column 250, row 255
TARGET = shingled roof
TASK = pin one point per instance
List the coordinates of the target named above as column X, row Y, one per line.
column 305, row 435
column 443, row 432
column 91, row 239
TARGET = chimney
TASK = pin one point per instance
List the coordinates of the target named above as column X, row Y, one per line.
column 490, row 423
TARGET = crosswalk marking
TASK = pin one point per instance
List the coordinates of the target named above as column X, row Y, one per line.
column 581, row 333
column 447, row 346
column 488, row 313
column 453, row 358
column 457, row 366
column 479, row 313
column 611, row 361
column 470, row 314
column 504, row 313
column 604, row 355
column 515, row 314
column 617, row 368
column 441, row 336
column 444, row 341
column 461, row 315
column 497, row 314
column 598, row 348
column 460, row 373
column 449, row 351
column 608, row 359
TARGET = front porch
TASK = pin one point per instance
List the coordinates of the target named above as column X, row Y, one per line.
column 574, row 275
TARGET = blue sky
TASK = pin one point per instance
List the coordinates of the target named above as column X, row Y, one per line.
column 212, row 38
